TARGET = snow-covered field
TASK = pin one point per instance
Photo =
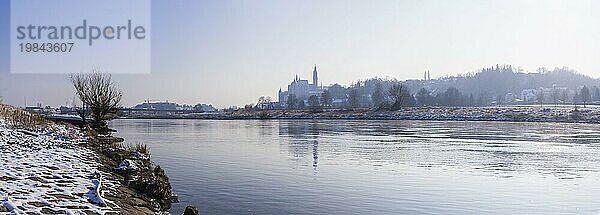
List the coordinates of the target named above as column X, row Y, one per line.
column 47, row 172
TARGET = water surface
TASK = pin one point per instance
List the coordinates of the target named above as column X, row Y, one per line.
column 375, row 167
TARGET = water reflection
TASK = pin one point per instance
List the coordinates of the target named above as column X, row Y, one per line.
column 315, row 154
column 301, row 129
column 302, row 140
column 487, row 148
column 375, row 167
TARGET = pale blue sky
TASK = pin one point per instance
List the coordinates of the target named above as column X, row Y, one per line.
column 231, row 52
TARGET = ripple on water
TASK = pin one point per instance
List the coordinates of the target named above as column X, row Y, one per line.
column 375, row 167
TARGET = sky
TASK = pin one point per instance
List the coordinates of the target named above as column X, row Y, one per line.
column 126, row 54
column 231, row 52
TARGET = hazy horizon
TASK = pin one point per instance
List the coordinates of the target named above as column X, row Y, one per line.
column 231, row 52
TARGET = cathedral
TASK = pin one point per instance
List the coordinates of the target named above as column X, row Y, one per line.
column 301, row 89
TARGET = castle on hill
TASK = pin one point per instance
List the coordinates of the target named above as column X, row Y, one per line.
column 301, row 89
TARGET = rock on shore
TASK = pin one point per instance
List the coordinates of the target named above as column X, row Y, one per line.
column 191, row 210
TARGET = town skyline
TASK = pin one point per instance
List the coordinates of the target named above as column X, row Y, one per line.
column 229, row 53
column 303, row 88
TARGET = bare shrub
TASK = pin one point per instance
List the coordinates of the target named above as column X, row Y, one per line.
column 139, row 147
column 154, row 184
column 152, row 181
column 100, row 94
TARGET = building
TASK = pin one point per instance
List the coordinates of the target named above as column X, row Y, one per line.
column 511, row 98
column 157, row 105
column 529, row 95
column 301, row 89
column 204, row 108
column 426, row 76
column 172, row 106
column 548, row 95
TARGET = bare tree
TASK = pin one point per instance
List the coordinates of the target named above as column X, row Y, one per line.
column 541, row 96
column 353, row 101
column 555, row 95
column 264, row 102
column 100, row 94
column 292, row 102
column 400, row 96
column 326, row 99
column 313, row 103
column 378, row 96
column 585, row 95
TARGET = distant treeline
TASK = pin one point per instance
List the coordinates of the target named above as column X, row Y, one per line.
column 489, row 86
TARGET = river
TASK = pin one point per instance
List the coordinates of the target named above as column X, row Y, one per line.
column 374, row 167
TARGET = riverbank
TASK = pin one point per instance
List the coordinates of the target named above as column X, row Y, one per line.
column 510, row 114
column 54, row 168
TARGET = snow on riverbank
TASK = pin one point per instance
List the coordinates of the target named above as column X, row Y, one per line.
column 47, row 172
column 512, row 114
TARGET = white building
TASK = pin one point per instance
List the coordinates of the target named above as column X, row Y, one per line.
column 529, row 95
column 301, row 89
column 511, row 98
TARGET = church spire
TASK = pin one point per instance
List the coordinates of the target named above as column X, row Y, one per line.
column 315, row 76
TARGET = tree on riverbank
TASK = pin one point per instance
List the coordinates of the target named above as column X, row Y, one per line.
column 401, row 97
column 424, row 98
column 585, row 95
column 264, row 102
column 100, row 94
column 353, row 99
column 596, row 96
column 292, row 101
column 326, row 99
column 541, row 95
column 452, row 97
column 377, row 97
column 313, row 103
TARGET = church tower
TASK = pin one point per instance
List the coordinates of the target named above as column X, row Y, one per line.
column 315, row 76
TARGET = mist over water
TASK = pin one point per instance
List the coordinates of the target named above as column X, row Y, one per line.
column 375, row 167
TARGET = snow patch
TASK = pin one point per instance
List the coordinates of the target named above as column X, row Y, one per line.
column 127, row 165
column 48, row 169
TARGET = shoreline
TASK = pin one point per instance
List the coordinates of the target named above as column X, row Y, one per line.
column 492, row 114
column 129, row 197
column 51, row 167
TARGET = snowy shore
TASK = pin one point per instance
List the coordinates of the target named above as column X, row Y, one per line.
column 50, row 168
column 513, row 114
column 48, row 172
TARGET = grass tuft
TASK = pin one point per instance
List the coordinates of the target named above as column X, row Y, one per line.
column 20, row 118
